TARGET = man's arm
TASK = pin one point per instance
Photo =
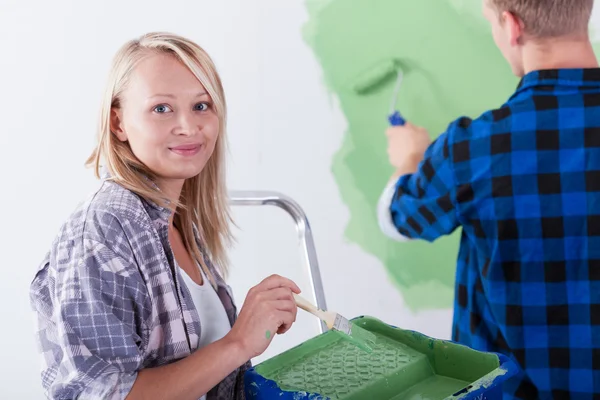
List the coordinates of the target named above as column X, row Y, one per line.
column 418, row 202
column 384, row 215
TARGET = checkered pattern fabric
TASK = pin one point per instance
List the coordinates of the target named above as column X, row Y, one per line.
column 107, row 304
column 523, row 182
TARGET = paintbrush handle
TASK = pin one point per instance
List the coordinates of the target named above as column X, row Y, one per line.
column 308, row 306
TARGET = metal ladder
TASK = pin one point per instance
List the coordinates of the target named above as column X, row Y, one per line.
column 269, row 198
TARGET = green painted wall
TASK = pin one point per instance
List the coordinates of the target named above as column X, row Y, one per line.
column 454, row 69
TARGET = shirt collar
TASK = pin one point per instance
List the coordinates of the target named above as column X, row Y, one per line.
column 161, row 215
column 575, row 77
column 164, row 213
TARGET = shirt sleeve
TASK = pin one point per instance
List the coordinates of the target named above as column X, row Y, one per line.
column 422, row 205
column 90, row 324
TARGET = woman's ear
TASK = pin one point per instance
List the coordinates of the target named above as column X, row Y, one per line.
column 116, row 124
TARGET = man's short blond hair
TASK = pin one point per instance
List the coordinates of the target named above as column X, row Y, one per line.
column 549, row 18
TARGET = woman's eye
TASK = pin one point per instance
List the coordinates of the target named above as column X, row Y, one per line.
column 161, row 109
column 202, row 106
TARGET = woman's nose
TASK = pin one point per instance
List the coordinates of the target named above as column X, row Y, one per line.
column 189, row 124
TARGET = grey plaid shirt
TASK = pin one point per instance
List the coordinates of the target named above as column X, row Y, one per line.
column 108, row 304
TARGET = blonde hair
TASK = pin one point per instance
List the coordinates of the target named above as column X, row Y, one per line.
column 202, row 209
column 549, row 18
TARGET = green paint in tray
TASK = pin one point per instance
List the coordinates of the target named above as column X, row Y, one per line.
column 403, row 365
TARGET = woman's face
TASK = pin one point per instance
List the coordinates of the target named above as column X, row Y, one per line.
column 168, row 118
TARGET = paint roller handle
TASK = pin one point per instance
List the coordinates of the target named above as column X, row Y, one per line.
column 396, row 119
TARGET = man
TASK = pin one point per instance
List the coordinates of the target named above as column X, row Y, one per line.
column 523, row 181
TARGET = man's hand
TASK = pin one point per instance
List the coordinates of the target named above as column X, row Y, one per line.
column 406, row 146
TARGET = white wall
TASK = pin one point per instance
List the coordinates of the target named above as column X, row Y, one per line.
column 284, row 130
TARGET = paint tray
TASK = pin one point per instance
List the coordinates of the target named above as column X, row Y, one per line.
column 403, row 365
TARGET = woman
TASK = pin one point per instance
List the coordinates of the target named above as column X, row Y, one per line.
column 131, row 300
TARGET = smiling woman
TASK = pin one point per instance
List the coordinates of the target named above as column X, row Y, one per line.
column 131, row 300
column 166, row 114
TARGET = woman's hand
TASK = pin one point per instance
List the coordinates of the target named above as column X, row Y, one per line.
column 269, row 309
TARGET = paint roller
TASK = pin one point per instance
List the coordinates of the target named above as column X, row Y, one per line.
column 376, row 77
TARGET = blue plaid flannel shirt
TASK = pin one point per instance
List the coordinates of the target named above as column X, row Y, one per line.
column 108, row 304
column 523, row 181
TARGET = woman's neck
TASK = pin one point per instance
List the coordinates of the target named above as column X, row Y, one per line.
column 171, row 188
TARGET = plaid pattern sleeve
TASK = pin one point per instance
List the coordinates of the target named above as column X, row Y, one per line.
column 94, row 327
column 527, row 195
column 423, row 203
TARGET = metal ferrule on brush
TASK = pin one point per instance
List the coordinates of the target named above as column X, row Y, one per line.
column 342, row 325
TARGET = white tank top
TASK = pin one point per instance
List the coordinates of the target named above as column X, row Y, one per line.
column 214, row 323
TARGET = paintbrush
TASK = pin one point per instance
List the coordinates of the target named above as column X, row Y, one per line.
column 350, row 331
